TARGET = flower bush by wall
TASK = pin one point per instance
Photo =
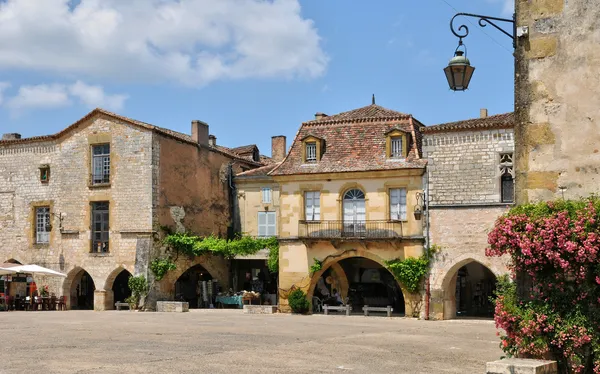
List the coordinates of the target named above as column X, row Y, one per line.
column 556, row 245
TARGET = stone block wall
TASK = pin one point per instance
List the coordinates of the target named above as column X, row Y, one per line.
column 464, row 167
column 557, row 105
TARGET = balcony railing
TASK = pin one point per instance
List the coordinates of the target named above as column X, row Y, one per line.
column 99, row 179
column 350, row 229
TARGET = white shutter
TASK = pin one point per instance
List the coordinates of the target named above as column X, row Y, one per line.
column 317, row 206
column 271, row 224
column 262, row 223
column 308, row 206
column 398, row 203
column 266, row 195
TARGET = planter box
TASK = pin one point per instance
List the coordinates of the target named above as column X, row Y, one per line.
column 260, row 309
column 172, row 306
column 521, row 366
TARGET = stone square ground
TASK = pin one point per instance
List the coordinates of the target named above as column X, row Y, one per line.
column 227, row 341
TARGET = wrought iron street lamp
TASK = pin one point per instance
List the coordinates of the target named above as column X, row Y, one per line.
column 459, row 70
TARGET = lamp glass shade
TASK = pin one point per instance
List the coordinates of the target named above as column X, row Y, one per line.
column 459, row 72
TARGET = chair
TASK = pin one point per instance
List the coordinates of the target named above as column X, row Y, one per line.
column 53, row 303
column 317, row 305
column 62, row 303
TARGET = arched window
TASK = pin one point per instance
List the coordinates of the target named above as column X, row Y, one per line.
column 354, row 194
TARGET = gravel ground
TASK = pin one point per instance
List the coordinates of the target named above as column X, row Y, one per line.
column 227, row 341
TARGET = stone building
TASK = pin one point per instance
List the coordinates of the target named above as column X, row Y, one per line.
column 257, row 212
column 557, row 105
column 470, row 184
column 89, row 202
column 348, row 188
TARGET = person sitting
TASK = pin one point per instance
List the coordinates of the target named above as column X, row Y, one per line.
column 337, row 298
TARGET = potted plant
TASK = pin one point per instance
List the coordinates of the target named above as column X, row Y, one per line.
column 298, row 302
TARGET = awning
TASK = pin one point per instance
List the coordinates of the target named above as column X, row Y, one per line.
column 263, row 254
column 35, row 270
column 7, row 271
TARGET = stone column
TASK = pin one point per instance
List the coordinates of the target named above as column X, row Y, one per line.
column 102, row 299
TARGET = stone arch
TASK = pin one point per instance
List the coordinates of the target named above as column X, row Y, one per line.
column 207, row 262
column 70, row 285
column 13, row 261
column 412, row 303
column 448, row 282
column 109, row 293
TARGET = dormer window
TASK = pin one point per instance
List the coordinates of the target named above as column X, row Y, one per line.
column 311, row 152
column 396, row 144
column 397, row 150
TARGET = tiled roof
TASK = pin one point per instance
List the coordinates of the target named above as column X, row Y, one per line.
column 99, row 111
column 262, row 171
column 244, row 149
column 354, row 141
column 368, row 113
column 498, row 121
column 266, row 160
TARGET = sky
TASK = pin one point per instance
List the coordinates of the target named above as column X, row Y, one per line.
column 251, row 69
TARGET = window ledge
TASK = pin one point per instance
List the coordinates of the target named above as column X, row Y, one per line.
column 99, row 185
column 41, row 245
column 309, row 164
column 393, row 159
column 96, row 254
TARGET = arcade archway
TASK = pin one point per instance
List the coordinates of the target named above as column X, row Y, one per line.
column 79, row 288
column 468, row 289
column 195, row 286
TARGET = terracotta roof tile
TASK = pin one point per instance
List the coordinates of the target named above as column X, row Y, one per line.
column 498, row 121
column 365, row 114
column 262, row 171
column 99, row 111
column 354, row 141
column 244, row 149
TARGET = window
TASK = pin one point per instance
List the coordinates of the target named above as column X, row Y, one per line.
column 266, row 224
column 507, row 185
column 101, row 164
column 266, row 195
column 398, row 204
column 44, row 173
column 311, row 152
column 100, row 227
column 312, row 205
column 396, row 147
column 42, row 225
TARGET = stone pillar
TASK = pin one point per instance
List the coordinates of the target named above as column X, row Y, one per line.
column 101, row 299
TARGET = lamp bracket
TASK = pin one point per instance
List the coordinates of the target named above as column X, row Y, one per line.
column 463, row 31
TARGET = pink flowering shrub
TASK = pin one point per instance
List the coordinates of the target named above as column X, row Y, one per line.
column 556, row 246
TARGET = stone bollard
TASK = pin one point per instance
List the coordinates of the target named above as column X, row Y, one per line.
column 521, row 366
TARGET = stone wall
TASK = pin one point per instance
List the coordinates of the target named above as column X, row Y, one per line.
column 249, row 195
column 68, row 194
column 464, row 166
column 557, row 104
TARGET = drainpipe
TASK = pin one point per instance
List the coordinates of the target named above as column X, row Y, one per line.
column 427, row 244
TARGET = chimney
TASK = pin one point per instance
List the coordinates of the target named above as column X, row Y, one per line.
column 320, row 115
column 200, row 132
column 483, row 113
column 212, row 140
column 278, row 148
column 11, row 136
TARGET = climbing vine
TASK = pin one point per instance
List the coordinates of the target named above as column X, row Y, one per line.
column 229, row 248
column 411, row 271
column 316, row 266
column 160, row 267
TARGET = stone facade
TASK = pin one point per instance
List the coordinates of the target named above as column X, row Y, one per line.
column 464, row 172
column 157, row 178
column 557, row 105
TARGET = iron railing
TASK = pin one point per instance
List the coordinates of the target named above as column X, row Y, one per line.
column 96, row 179
column 350, row 229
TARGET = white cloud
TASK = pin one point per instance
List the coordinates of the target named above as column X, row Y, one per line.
column 192, row 42
column 50, row 96
column 94, row 96
column 42, row 96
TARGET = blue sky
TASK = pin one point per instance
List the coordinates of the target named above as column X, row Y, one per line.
column 250, row 68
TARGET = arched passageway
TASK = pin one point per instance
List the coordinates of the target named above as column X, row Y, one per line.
column 358, row 281
column 195, row 286
column 120, row 286
column 468, row 291
column 79, row 288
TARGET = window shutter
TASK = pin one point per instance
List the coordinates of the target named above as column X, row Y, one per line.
column 308, row 206
column 317, row 206
column 262, row 223
column 398, row 203
column 266, row 195
column 271, row 231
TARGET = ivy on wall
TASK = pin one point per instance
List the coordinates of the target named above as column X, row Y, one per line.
column 229, row 248
column 316, row 266
column 411, row 271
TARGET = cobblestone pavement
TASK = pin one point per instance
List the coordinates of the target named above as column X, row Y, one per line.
column 227, row 341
